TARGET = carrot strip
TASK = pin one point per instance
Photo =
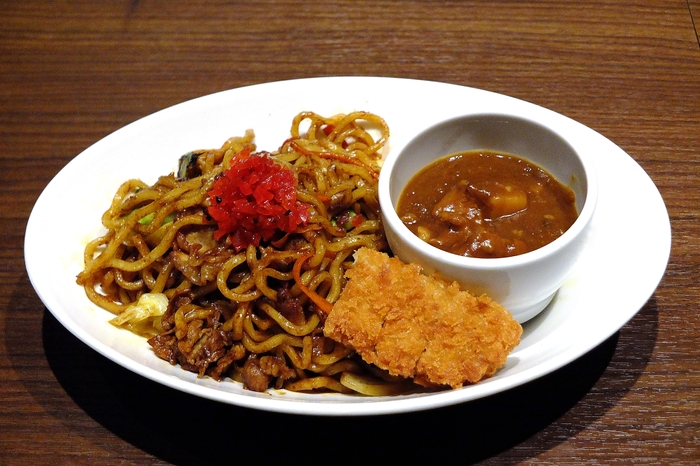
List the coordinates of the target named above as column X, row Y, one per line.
column 317, row 299
column 323, row 198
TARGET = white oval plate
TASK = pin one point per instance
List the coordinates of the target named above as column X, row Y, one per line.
column 625, row 255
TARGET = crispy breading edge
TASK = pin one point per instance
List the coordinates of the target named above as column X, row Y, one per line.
column 390, row 312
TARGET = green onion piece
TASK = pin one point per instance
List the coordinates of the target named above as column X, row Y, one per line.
column 147, row 219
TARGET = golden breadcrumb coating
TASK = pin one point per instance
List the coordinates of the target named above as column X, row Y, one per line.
column 417, row 326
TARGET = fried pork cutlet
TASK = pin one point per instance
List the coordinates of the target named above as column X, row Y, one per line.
column 412, row 325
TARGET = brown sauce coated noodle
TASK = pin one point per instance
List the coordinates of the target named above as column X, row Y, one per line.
column 246, row 315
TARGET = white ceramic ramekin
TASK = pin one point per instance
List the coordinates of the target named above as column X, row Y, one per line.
column 523, row 284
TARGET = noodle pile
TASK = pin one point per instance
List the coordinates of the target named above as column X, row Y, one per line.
column 252, row 312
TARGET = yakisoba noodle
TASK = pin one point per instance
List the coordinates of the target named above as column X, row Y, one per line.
column 254, row 314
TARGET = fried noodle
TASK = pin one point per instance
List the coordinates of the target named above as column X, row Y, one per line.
column 252, row 312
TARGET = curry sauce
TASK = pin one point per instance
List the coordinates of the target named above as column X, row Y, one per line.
column 486, row 204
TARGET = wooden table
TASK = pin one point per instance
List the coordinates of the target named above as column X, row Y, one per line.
column 71, row 72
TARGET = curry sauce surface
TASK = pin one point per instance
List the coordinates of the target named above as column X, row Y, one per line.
column 486, row 204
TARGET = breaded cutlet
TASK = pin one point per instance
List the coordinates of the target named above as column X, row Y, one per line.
column 416, row 326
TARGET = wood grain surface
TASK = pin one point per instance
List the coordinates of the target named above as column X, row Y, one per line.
column 72, row 72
